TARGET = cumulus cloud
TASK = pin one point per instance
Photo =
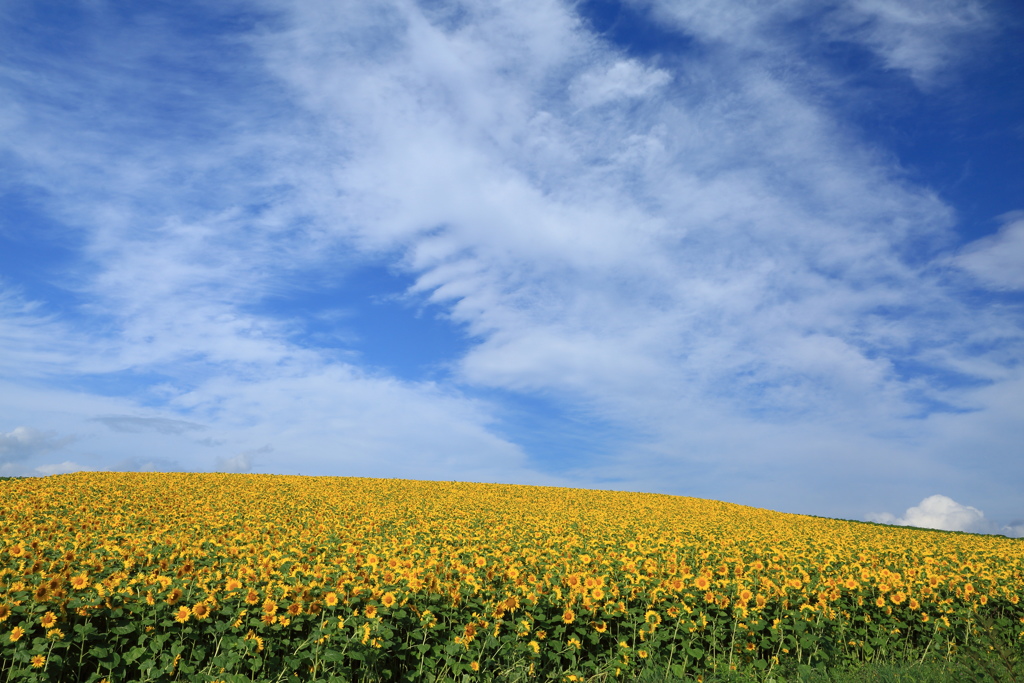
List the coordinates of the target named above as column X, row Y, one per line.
column 242, row 462
column 997, row 260
column 25, row 442
column 942, row 512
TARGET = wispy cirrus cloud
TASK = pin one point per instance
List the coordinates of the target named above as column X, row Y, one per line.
column 997, row 261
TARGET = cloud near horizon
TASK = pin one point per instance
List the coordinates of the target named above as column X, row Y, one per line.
column 497, row 242
column 942, row 512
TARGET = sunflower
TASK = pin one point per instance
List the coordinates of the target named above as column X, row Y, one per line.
column 200, row 610
column 746, row 595
column 42, row 592
column 183, row 614
column 370, row 611
column 5, row 612
column 232, row 585
column 251, row 635
column 568, row 616
column 702, row 583
column 269, row 607
column 48, row 620
column 252, row 597
column 597, row 594
column 16, row 634
column 898, row 597
column 601, row 628
column 38, row 661
column 331, row 599
column 388, row 600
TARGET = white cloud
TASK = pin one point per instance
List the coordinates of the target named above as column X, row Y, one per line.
column 924, row 38
column 25, row 442
column 939, row 512
column 65, row 467
column 997, row 260
column 626, row 78
column 162, row 425
column 34, row 342
column 920, row 36
column 237, row 463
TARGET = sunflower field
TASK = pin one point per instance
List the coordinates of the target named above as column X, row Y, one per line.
column 238, row 577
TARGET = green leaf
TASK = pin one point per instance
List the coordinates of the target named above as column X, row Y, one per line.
column 133, row 654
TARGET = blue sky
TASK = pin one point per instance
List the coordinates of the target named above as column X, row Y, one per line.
column 767, row 253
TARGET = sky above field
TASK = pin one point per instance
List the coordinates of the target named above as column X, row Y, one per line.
column 766, row 253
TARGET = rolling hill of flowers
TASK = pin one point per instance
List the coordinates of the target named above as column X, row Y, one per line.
column 239, row 577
